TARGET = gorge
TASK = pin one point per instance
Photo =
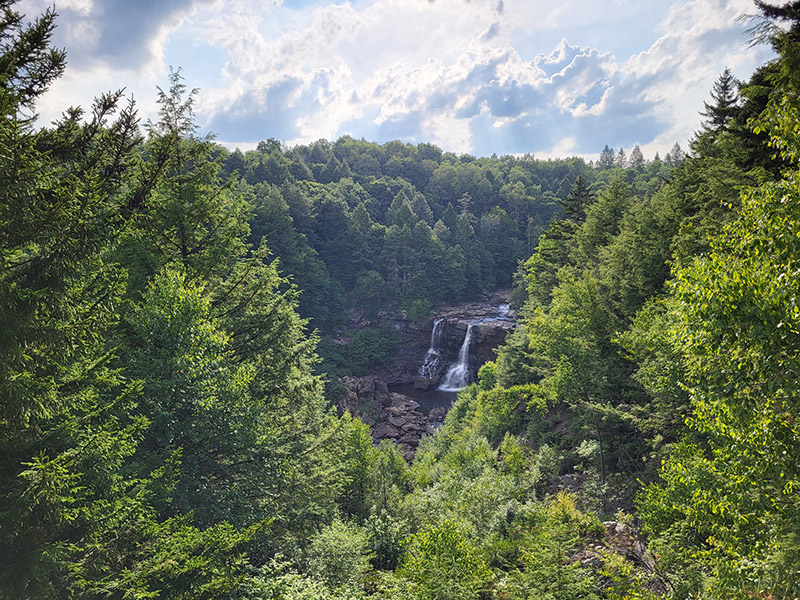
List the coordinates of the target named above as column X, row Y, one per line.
column 406, row 398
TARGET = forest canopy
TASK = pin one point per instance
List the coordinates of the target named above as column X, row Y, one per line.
column 164, row 425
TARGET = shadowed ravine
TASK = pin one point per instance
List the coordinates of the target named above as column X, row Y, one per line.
column 409, row 397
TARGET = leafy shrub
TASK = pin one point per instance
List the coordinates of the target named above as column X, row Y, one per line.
column 339, row 555
column 386, row 535
column 370, row 346
column 444, row 564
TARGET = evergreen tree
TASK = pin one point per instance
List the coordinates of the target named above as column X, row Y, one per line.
column 675, row 156
column 192, row 218
column 637, row 160
column 579, row 197
column 102, row 474
column 74, row 521
column 606, row 159
column 621, row 160
column 725, row 100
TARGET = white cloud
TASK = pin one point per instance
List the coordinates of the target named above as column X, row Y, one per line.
column 564, row 147
column 470, row 75
column 700, row 39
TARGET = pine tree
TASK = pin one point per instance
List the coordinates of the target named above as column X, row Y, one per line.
column 621, row 160
column 85, row 510
column 606, row 159
column 579, row 197
column 215, row 336
column 637, row 158
column 191, row 216
column 63, row 426
column 675, row 156
column 725, row 101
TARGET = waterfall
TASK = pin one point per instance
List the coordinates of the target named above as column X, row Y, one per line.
column 458, row 375
column 431, row 360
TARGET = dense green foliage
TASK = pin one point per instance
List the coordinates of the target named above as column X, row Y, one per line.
column 658, row 345
column 160, row 421
column 163, row 434
column 395, row 226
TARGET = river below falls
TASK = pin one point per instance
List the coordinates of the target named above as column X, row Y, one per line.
column 427, row 399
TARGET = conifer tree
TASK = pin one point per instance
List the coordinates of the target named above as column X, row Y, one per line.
column 675, row 156
column 637, row 158
column 725, row 100
column 606, row 159
column 64, row 430
column 101, row 474
column 579, row 197
column 621, row 160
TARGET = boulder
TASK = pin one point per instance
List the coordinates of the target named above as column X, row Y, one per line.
column 392, row 415
column 404, row 402
column 437, row 414
column 385, row 430
column 397, row 421
column 366, row 387
column 381, row 387
column 424, row 383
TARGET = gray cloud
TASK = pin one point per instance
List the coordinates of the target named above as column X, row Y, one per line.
column 715, row 39
column 527, row 135
column 406, row 127
column 592, row 96
column 464, row 74
column 118, row 32
column 491, row 33
column 507, row 100
column 258, row 116
column 582, row 95
column 625, row 123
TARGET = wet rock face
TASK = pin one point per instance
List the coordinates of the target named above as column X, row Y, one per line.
column 491, row 325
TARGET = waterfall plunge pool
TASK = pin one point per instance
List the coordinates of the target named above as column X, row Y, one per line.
column 428, row 400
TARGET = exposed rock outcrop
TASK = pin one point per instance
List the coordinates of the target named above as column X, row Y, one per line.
column 623, row 540
column 389, row 415
column 397, row 417
column 491, row 319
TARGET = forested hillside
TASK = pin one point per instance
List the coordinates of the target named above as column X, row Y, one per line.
column 368, row 226
column 163, row 427
column 362, row 228
column 395, row 226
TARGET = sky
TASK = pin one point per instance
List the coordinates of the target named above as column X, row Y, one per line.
column 542, row 77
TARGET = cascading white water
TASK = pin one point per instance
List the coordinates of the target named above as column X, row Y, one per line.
column 458, row 375
column 431, row 360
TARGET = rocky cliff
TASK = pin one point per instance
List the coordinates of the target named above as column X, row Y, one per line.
column 491, row 318
column 398, row 417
